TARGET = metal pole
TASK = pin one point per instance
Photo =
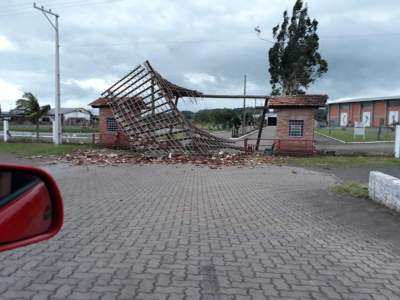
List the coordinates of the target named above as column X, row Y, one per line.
column 244, row 107
column 58, row 92
column 57, row 122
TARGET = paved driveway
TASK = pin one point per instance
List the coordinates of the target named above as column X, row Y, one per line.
column 175, row 232
column 328, row 145
column 267, row 137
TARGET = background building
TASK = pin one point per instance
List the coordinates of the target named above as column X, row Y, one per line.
column 373, row 112
column 71, row 116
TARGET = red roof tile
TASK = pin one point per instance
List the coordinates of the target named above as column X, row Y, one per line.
column 100, row 102
column 298, row 101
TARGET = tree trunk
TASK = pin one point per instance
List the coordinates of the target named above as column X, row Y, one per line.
column 37, row 131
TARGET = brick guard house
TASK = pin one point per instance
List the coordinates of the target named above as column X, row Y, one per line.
column 295, row 122
column 111, row 135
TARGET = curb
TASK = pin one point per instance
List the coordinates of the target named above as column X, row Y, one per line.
column 360, row 143
column 243, row 136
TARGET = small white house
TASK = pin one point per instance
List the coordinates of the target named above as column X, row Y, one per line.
column 70, row 116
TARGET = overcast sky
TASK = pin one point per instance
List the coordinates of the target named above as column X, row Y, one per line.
column 201, row 44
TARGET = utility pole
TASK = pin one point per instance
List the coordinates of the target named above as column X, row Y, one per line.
column 57, row 122
column 244, row 107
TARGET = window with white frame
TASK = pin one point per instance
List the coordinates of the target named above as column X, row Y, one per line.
column 296, row 127
column 112, row 125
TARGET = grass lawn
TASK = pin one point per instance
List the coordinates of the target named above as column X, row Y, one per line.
column 348, row 135
column 46, row 128
column 352, row 188
column 43, row 149
column 344, row 161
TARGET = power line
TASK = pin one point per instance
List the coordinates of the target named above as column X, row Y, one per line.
column 71, row 3
column 257, row 29
column 56, row 3
column 157, row 42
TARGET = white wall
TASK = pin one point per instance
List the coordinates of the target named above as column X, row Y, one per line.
column 77, row 114
column 384, row 189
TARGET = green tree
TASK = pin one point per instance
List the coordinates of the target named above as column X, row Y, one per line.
column 321, row 114
column 217, row 117
column 188, row 114
column 294, row 60
column 30, row 106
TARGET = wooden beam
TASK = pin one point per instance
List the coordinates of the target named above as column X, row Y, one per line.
column 122, row 79
column 211, row 96
column 262, row 124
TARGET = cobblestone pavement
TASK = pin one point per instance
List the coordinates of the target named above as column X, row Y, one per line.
column 182, row 232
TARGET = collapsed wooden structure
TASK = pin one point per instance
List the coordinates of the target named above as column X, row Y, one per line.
column 145, row 106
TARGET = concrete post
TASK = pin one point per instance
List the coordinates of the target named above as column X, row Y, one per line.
column 397, row 142
column 55, row 132
column 5, row 130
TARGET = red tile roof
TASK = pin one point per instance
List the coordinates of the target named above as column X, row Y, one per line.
column 298, row 101
column 100, row 102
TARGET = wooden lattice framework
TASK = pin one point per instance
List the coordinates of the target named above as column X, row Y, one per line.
column 145, row 106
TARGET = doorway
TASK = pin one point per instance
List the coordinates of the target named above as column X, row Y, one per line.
column 271, row 121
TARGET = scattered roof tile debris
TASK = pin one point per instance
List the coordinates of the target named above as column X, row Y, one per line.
column 106, row 157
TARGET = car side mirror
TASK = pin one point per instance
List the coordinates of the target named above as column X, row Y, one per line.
column 31, row 208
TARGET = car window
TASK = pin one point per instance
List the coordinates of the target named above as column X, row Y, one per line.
column 13, row 184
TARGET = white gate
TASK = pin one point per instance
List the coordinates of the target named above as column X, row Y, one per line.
column 393, row 117
column 343, row 119
column 366, row 118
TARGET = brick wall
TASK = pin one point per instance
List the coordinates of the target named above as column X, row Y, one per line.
column 289, row 144
column 355, row 113
column 334, row 114
column 379, row 113
column 110, row 139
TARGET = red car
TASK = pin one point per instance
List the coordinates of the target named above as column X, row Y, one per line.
column 31, row 208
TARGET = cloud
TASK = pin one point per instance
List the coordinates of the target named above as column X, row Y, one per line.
column 9, row 93
column 95, row 84
column 200, row 79
column 206, row 45
column 6, row 44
